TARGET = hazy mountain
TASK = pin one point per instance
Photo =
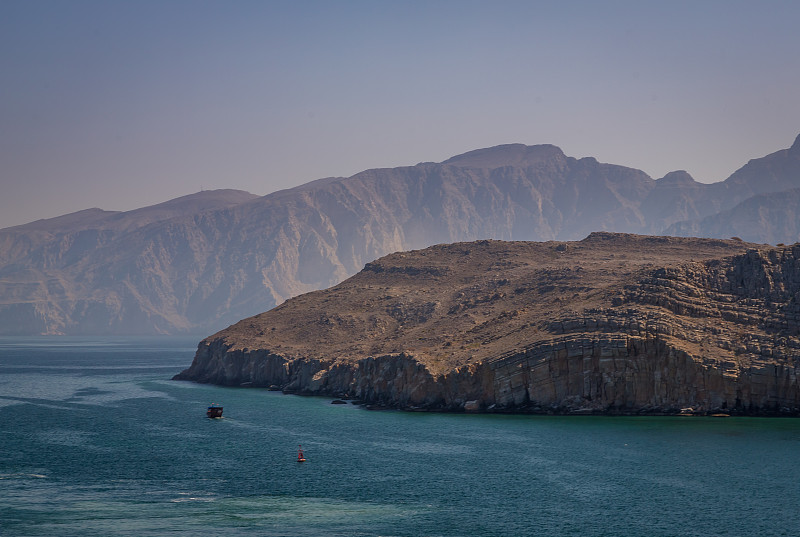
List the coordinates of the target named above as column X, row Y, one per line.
column 776, row 172
column 765, row 218
column 201, row 262
column 96, row 271
column 758, row 203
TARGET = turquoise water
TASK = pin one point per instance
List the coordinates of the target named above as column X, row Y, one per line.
column 97, row 441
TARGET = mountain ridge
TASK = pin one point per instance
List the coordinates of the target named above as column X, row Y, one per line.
column 193, row 266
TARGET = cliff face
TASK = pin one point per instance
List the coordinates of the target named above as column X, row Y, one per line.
column 610, row 324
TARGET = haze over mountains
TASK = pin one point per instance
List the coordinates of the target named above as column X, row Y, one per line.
column 201, row 262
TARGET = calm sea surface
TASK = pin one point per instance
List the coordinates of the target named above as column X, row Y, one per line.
column 97, row 441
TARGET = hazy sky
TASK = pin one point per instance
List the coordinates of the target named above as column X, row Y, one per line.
column 122, row 104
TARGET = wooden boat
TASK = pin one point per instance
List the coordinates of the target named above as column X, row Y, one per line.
column 214, row 411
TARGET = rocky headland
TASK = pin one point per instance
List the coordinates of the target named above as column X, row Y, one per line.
column 612, row 324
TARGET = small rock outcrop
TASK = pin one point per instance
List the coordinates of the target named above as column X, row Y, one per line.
column 615, row 323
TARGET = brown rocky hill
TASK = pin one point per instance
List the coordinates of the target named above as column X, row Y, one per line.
column 613, row 323
column 202, row 262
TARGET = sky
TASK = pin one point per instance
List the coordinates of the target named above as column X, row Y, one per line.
column 123, row 104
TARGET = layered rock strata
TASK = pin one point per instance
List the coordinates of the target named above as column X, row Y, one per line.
column 615, row 323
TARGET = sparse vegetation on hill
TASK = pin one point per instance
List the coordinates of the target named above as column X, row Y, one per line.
column 612, row 323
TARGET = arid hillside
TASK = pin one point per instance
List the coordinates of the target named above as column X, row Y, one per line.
column 612, row 323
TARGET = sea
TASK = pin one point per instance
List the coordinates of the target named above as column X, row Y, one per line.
column 96, row 440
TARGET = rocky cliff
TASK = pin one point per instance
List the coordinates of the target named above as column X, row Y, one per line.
column 610, row 324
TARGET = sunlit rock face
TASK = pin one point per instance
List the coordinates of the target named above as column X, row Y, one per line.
column 614, row 323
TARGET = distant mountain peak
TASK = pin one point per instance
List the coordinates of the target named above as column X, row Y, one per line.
column 209, row 197
column 678, row 177
column 796, row 145
column 506, row 155
column 83, row 217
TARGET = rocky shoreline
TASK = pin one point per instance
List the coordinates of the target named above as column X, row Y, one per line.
column 505, row 385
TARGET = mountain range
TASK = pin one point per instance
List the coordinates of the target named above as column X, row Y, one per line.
column 198, row 263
